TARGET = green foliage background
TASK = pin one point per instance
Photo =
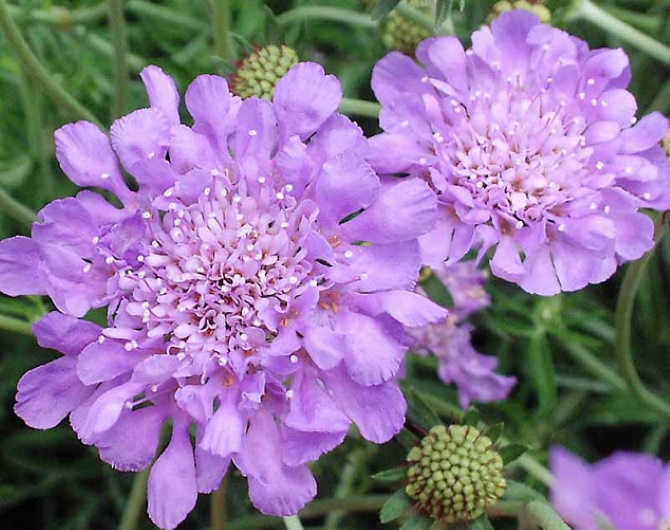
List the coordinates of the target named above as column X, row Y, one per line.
column 561, row 348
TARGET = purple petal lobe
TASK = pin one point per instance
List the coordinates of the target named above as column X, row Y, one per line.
column 19, row 260
column 64, row 333
column 162, row 92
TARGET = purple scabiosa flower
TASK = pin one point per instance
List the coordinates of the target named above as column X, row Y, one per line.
column 257, row 283
column 451, row 340
column 625, row 491
column 531, row 143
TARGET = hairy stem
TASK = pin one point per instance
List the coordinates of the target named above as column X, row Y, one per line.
column 117, row 23
column 359, row 107
column 34, row 69
column 223, row 42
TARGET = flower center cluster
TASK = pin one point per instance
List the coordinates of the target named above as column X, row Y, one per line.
column 455, row 474
column 518, row 155
column 219, row 273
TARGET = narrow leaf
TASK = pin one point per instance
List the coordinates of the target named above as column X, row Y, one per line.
column 481, row 523
column 383, row 8
column 511, row 452
column 395, row 506
column 419, row 411
column 442, row 11
column 516, row 491
column 494, row 432
column 471, row 417
column 543, row 373
column 391, row 475
column 417, row 522
column 272, row 30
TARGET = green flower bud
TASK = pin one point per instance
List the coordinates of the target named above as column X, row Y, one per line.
column 402, row 34
column 467, row 479
column 259, row 73
column 529, row 5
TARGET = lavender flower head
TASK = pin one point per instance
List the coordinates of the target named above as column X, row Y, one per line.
column 451, row 341
column 240, row 298
column 531, row 143
column 625, row 491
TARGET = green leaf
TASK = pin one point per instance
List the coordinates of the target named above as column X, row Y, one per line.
column 395, row 506
column 442, row 11
column 481, row 523
column 419, row 411
column 516, row 491
column 417, row 522
column 391, row 475
column 383, row 8
column 495, row 431
column 471, row 417
column 543, row 373
column 437, row 291
column 273, row 33
column 511, row 452
column 243, row 46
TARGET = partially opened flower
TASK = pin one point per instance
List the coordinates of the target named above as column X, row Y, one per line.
column 257, row 284
column 473, row 373
column 528, row 141
column 625, row 491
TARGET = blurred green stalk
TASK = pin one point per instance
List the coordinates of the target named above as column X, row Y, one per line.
column 117, row 24
column 218, row 512
column 223, row 42
column 359, row 107
column 292, row 522
column 624, row 317
column 135, row 505
column 14, row 209
column 590, row 12
column 335, row 14
column 34, row 69
column 15, row 325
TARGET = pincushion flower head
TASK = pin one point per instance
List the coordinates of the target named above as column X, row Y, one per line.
column 530, row 141
column 257, row 283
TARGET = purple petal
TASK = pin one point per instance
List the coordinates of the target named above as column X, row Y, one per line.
column 410, row 309
column 572, row 492
column 644, row 134
column 223, row 433
column 173, row 489
column 302, row 447
column 19, row 260
column 209, row 470
column 140, row 136
column 211, row 105
column 396, row 74
column 104, row 361
column 256, row 137
column 378, row 411
column 163, row 94
column 387, row 266
column 85, row 155
column 394, row 153
column 304, row 99
column 64, row 333
column 403, row 211
column 346, row 184
column 336, row 136
column 131, row 444
column 190, row 150
column 446, row 56
column 48, row 393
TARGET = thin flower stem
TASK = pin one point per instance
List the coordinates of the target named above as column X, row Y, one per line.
column 164, row 14
column 60, row 16
column 32, row 103
column 117, row 24
column 292, row 522
column 223, row 42
column 416, row 16
column 335, row 14
column 534, row 468
column 135, row 505
column 14, row 209
column 624, row 316
column 34, row 69
column 543, row 515
column 590, row 12
column 359, row 107
column 661, row 102
column 592, row 363
column 15, row 325
column 218, row 509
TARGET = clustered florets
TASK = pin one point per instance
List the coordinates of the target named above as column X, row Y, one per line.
column 454, row 474
column 260, row 71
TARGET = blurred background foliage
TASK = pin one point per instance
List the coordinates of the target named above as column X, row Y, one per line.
column 560, row 348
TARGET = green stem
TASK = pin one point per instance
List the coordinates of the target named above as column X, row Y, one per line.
column 359, row 107
column 33, row 68
column 590, row 12
column 594, row 365
column 292, row 522
column 416, row 16
column 14, row 209
column 218, row 508
column 117, row 23
column 60, row 16
column 100, row 45
column 543, row 515
column 624, row 316
column 534, row 468
column 164, row 14
column 223, row 42
column 32, row 103
column 135, row 505
column 318, row 508
column 15, row 325
column 642, row 21
column 335, row 14
column 661, row 102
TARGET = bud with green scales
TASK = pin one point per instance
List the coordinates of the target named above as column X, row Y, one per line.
column 533, row 6
column 259, row 72
column 402, row 34
column 454, row 474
